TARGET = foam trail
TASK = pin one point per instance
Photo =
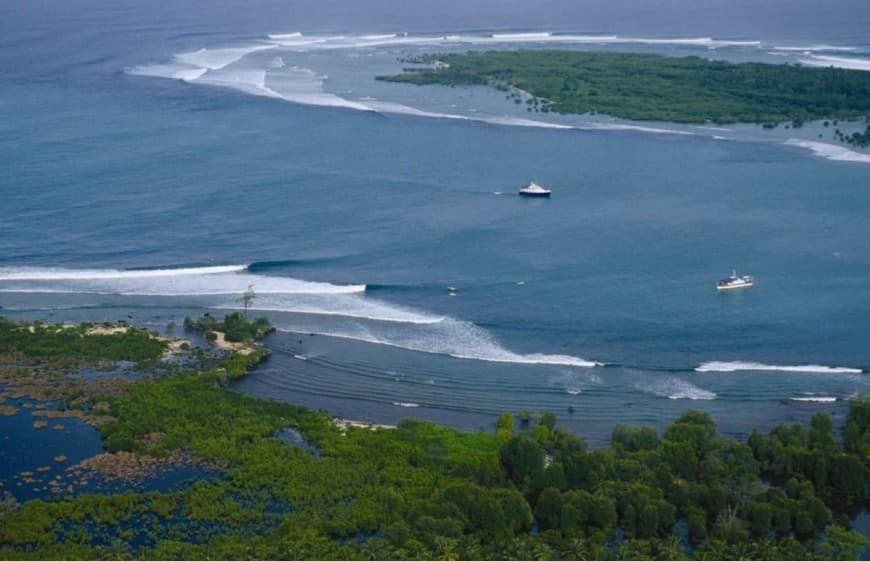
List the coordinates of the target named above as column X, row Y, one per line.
column 837, row 62
column 738, row 366
column 675, row 388
column 819, row 399
column 405, row 404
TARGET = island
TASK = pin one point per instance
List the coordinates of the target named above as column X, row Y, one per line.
column 651, row 87
column 263, row 480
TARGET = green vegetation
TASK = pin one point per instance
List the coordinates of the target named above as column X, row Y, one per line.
column 78, row 343
column 235, row 327
column 655, row 87
column 860, row 139
column 423, row 492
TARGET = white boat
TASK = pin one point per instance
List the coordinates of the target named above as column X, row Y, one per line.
column 734, row 282
column 534, row 190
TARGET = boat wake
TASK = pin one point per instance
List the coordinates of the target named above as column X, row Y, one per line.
column 738, row 366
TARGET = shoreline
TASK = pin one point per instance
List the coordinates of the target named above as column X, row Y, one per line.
column 295, row 374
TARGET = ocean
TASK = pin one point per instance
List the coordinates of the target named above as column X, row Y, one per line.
column 158, row 160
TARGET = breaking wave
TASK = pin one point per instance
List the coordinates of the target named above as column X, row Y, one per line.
column 815, row 48
column 352, row 306
column 321, row 307
column 814, row 399
column 738, row 366
column 852, row 63
column 243, row 69
column 831, row 151
column 187, row 281
column 310, row 42
column 450, row 337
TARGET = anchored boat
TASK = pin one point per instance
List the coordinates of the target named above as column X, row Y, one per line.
column 734, row 282
column 534, row 190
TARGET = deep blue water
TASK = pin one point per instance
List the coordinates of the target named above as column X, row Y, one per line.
column 106, row 169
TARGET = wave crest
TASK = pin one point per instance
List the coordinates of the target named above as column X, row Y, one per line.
column 738, row 366
column 186, row 281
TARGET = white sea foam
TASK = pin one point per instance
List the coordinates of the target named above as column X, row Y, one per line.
column 342, row 310
column 672, row 387
column 815, row 48
column 215, row 59
column 450, row 337
column 283, row 36
column 814, row 399
column 575, row 381
column 831, row 151
column 172, row 71
column 227, row 67
column 510, row 121
column 40, row 274
column 351, row 305
column 639, row 128
column 405, row 404
column 837, row 62
column 535, row 36
column 308, row 42
column 190, row 281
column 379, row 37
column 708, row 42
column 738, row 366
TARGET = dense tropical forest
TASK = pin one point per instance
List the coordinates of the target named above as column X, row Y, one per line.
column 286, row 483
column 654, row 87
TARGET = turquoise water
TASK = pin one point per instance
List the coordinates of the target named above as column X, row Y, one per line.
column 351, row 223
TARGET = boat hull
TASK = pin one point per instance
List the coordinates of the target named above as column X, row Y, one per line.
column 733, row 287
column 535, row 195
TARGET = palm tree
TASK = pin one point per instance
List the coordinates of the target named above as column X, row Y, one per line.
column 446, row 549
column 671, row 549
column 577, row 550
column 248, row 298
